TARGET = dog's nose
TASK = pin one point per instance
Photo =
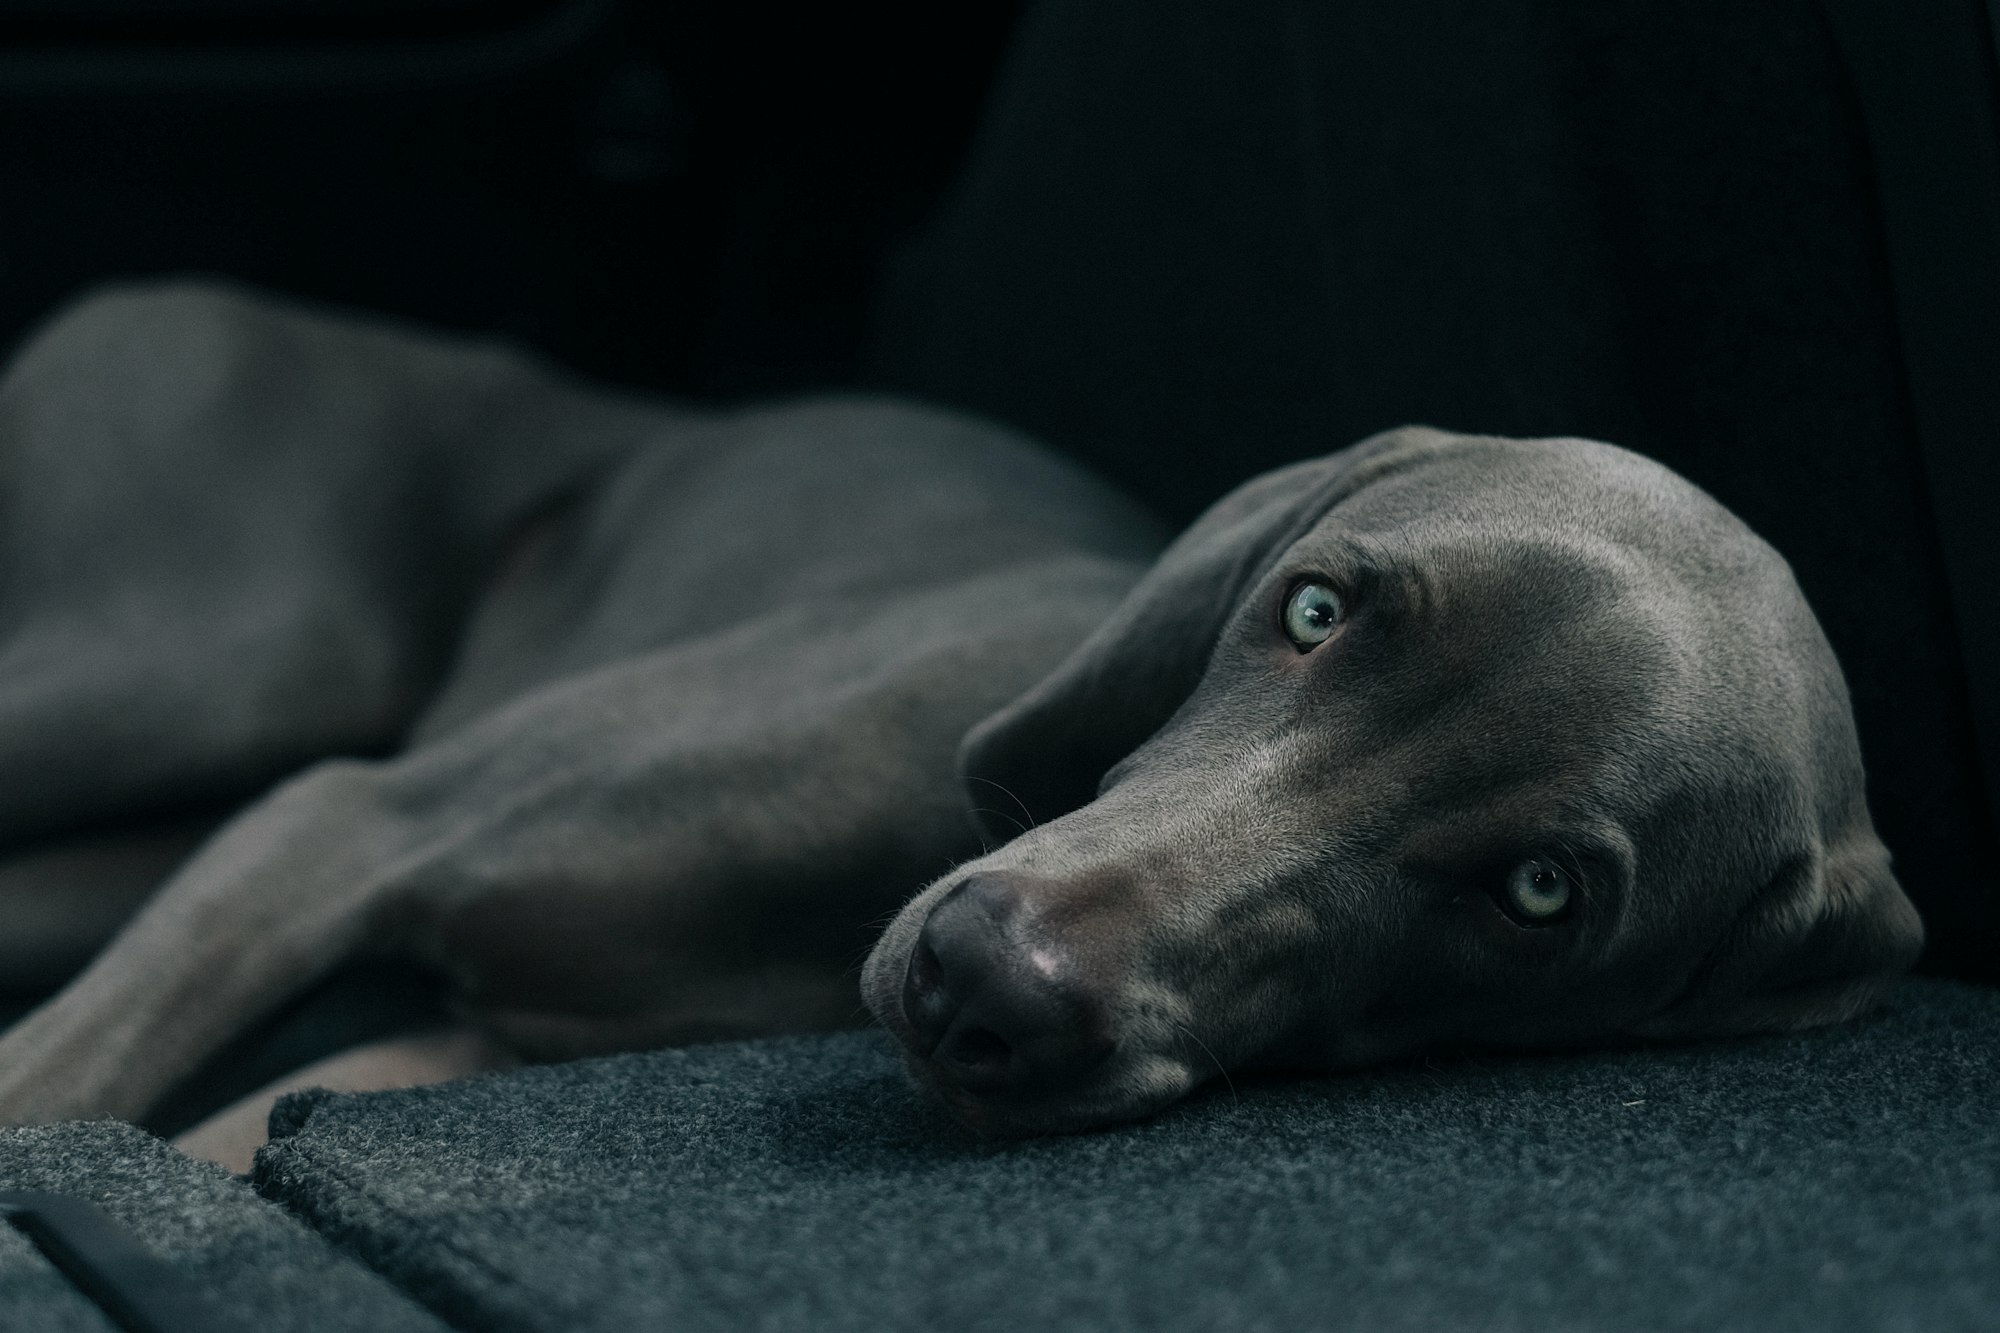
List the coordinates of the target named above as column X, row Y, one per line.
column 995, row 1009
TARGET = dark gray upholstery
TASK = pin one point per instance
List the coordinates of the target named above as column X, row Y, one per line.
column 1839, row 1179
column 248, row 1257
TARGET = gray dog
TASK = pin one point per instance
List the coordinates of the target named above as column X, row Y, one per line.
column 634, row 721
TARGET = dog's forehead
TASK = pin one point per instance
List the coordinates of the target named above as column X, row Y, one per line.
column 1539, row 488
column 1556, row 531
column 1615, row 569
column 1579, row 589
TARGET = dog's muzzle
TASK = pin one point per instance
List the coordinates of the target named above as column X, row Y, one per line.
column 997, row 1009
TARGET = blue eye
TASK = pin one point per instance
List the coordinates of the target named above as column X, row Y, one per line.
column 1537, row 891
column 1312, row 613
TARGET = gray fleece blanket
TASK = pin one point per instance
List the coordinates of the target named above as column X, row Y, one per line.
column 1840, row 1179
column 254, row 1264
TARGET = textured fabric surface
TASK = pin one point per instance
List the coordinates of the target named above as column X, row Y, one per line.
column 1847, row 1178
column 251, row 1259
column 33, row 1295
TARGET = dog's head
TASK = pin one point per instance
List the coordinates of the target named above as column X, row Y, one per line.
column 1438, row 740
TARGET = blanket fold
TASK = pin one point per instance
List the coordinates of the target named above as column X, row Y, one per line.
column 250, row 1260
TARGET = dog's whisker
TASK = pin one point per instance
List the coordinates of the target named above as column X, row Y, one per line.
column 989, row 810
column 1009, row 794
column 1228, row 1082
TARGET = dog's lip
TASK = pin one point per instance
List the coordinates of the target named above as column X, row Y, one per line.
column 1017, row 1117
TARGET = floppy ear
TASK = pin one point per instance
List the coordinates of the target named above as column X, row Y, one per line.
column 1044, row 754
column 1819, row 944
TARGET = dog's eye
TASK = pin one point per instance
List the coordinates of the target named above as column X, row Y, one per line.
column 1537, row 891
column 1312, row 613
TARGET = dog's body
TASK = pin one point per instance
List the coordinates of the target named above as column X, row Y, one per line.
column 663, row 712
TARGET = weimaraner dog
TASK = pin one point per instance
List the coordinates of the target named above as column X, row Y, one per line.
column 636, row 722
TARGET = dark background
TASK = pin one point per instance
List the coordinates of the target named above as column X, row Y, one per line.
column 1184, row 240
column 688, row 196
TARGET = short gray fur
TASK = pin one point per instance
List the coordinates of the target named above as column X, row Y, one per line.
column 252, row 1260
column 1841, row 1179
column 630, row 719
column 635, row 722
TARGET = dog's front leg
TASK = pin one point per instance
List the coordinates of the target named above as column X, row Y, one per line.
column 279, row 897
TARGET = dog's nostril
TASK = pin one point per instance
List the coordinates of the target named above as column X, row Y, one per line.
column 928, row 1003
column 926, row 973
column 955, row 952
column 979, row 1057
